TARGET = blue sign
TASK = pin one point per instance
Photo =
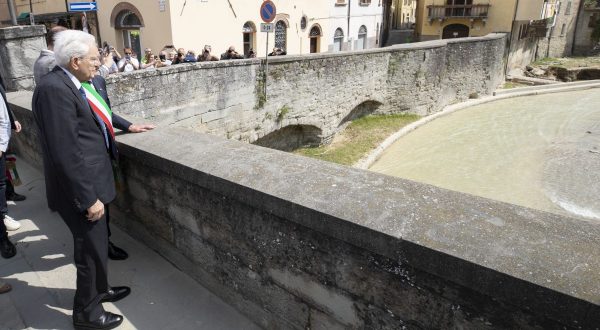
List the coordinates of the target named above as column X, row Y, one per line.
column 268, row 11
column 83, row 6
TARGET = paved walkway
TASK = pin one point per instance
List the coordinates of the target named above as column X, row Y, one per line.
column 42, row 275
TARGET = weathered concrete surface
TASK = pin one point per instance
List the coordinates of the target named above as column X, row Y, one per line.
column 293, row 242
column 20, row 46
column 317, row 92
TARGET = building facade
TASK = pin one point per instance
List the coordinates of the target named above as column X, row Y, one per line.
column 562, row 17
column 300, row 26
column 586, row 41
column 404, row 14
column 354, row 24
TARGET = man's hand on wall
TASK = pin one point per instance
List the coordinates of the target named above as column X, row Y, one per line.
column 140, row 128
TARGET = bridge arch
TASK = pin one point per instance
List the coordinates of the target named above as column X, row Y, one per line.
column 363, row 109
column 292, row 137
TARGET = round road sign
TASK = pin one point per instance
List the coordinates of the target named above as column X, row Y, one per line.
column 268, row 11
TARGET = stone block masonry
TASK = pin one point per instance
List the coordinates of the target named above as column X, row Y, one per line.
column 296, row 243
column 317, row 92
column 19, row 48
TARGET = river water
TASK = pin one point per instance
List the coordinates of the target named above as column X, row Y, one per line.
column 539, row 151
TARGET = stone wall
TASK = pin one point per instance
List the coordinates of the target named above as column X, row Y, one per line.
column 20, row 46
column 296, row 243
column 313, row 91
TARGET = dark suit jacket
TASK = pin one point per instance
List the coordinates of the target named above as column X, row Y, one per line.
column 77, row 165
column 100, row 86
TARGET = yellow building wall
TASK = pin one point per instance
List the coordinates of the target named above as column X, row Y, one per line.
column 156, row 32
column 41, row 6
column 500, row 18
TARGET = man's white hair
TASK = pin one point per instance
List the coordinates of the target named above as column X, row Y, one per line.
column 72, row 43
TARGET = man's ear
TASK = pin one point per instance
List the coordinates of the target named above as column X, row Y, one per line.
column 74, row 63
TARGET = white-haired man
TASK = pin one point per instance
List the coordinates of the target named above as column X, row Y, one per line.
column 78, row 143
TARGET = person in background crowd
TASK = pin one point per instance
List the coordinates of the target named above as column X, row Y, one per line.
column 78, row 189
column 148, row 60
column 108, row 64
column 206, row 56
column 128, row 63
column 251, row 53
column 231, row 54
column 7, row 248
column 45, row 62
column 179, row 58
column 190, row 57
column 163, row 60
column 277, row 52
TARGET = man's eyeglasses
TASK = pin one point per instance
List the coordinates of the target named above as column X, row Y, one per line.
column 91, row 59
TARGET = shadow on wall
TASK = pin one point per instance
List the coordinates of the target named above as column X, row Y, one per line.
column 364, row 109
column 292, row 137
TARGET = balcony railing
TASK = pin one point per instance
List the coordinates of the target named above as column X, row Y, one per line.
column 458, row 11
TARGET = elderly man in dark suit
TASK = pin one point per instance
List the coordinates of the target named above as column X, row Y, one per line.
column 78, row 144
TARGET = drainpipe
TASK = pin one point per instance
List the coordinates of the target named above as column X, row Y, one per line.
column 579, row 15
column 348, row 31
column 512, row 35
column 13, row 15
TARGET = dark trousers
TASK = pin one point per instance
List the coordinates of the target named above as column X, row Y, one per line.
column 10, row 189
column 90, row 243
column 3, row 205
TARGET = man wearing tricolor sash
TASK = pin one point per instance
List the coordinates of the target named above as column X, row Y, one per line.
column 78, row 149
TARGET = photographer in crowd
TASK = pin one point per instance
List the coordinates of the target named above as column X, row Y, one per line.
column 231, row 54
column 128, row 63
column 206, row 56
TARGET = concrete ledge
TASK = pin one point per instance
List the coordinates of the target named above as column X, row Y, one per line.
column 22, row 31
column 295, row 242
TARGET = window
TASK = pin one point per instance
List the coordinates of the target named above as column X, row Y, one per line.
column 281, row 35
column 249, row 34
column 365, row 2
column 563, row 29
column 338, row 39
column 461, row 8
column 340, row 2
column 362, row 38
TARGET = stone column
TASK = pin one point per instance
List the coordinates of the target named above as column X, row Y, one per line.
column 20, row 46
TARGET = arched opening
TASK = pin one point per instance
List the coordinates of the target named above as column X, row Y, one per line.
column 249, row 35
column 292, row 137
column 281, row 35
column 364, row 109
column 315, row 38
column 362, row 38
column 338, row 39
column 127, row 21
column 455, row 31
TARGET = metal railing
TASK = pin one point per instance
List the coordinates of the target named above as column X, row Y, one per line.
column 461, row 11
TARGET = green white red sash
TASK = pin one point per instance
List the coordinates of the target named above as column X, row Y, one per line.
column 99, row 107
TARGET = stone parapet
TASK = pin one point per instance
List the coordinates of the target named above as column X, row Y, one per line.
column 316, row 94
column 20, row 46
column 298, row 243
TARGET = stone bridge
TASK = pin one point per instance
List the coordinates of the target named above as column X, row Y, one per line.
column 297, row 243
column 309, row 98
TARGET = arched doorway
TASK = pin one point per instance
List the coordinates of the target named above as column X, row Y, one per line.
column 127, row 21
column 455, row 31
column 315, row 38
column 281, row 35
column 249, row 31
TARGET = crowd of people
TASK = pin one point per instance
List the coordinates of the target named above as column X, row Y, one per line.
column 113, row 62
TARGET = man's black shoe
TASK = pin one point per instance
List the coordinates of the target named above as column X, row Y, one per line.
column 15, row 197
column 116, row 253
column 106, row 321
column 116, row 293
column 7, row 249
